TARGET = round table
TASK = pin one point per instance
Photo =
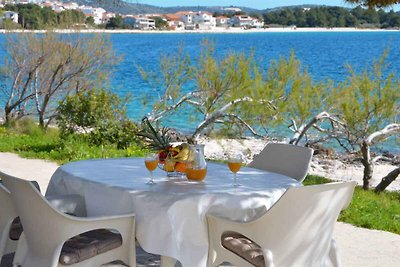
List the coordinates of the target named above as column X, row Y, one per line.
column 170, row 215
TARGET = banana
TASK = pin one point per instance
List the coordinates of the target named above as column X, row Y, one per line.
column 183, row 152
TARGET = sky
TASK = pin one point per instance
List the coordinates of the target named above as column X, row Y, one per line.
column 258, row 4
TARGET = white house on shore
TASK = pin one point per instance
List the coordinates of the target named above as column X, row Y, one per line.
column 187, row 18
column 222, row 21
column 204, row 21
column 10, row 15
column 96, row 12
column 174, row 21
column 140, row 22
column 246, row 22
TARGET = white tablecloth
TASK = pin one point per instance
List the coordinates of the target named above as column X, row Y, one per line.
column 170, row 215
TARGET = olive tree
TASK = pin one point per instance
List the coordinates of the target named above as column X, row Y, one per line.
column 214, row 88
column 41, row 70
column 234, row 90
column 368, row 108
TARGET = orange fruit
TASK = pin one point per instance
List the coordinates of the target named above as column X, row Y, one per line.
column 180, row 167
column 169, row 166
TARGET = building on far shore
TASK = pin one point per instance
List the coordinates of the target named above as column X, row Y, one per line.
column 244, row 21
column 232, row 9
column 222, row 21
column 140, row 22
column 95, row 12
column 204, row 21
column 10, row 15
column 174, row 21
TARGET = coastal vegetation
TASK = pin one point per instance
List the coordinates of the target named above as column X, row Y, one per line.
column 33, row 17
column 328, row 17
column 374, row 3
column 48, row 69
column 27, row 139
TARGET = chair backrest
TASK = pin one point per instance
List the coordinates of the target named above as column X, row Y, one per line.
column 7, row 215
column 298, row 228
column 37, row 216
column 290, row 160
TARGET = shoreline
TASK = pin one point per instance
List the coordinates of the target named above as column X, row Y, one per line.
column 218, row 30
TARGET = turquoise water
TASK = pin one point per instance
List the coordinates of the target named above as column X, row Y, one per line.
column 324, row 54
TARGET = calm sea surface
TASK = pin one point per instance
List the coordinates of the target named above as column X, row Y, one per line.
column 324, row 54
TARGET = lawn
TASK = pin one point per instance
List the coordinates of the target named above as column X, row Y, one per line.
column 31, row 142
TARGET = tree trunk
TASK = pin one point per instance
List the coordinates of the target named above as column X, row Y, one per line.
column 8, row 114
column 387, row 180
column 367, row 163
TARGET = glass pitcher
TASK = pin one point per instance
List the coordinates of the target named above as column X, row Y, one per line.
column 196, row 168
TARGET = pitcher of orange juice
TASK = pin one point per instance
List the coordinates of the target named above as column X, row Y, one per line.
column 196, row 168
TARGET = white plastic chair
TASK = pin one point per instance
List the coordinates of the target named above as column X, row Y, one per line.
column 47, row 229
column 70, row 204
column 295, row 232
column 7, row 215
column 290, row 160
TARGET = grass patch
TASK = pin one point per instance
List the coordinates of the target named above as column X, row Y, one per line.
column 30, row 141
column 368, row 209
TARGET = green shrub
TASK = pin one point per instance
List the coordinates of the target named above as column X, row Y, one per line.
column 100, row 115
column 35, row 143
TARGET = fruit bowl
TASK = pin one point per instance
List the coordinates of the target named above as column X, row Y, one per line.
column 173, row 168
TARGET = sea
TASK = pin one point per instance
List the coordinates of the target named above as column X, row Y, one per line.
column 326, row 55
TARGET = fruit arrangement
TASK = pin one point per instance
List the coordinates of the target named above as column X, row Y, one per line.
column 173, row 158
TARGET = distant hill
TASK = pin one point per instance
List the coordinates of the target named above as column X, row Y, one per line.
column 211, row 9
column 136, row 7
column 123, row 7
column 295, row 7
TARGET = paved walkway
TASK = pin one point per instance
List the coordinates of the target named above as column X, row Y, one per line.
column 358, row 247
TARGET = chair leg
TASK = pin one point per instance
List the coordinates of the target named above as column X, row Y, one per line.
column 167, row 261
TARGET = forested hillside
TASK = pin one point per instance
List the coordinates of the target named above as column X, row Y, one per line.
column 324, row 16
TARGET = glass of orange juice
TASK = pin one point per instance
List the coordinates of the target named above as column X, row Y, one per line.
column 234, row 164
column 151, row 163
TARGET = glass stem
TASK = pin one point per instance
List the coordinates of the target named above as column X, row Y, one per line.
column 234, row 179
column 151, row 177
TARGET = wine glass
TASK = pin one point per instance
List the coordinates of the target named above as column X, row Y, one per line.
column 151, row 163
column 234, row 164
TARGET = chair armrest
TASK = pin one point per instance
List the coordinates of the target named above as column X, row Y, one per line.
column 220, row 225
column 72, row 226
column 268, row 258
column 70, row 204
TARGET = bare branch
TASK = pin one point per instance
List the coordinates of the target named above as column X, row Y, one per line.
column 241, row 121
column 299, row 134
column 387, row 180
column 384, row 133
column 376, row 159
column 185, row 98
